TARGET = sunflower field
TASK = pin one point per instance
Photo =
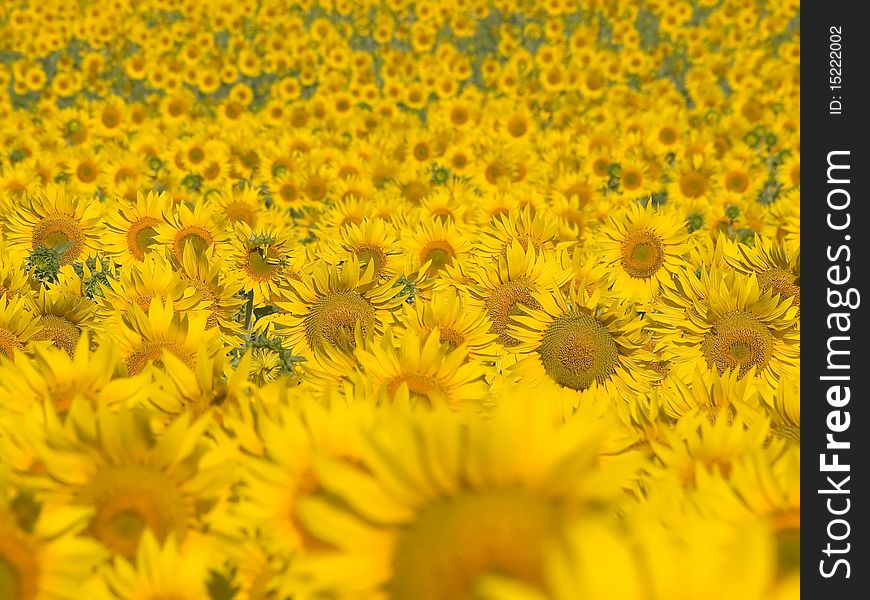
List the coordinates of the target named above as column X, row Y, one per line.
column 433, row 300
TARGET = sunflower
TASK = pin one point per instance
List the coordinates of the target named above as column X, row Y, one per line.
column 211, row 385
column 482, row 499
column 505, row 285
column 536, row 229
column 722, row 320
column 372, row 241
column 262, row 258
column 220, row 289
column 777, row 266
column 693, row 180
column 726, row 392
column 581, row 344
column 45, row 559
column 55, row 219
column 131, row 478
column 330, row 302
column 59, row 378
column 140, row 283
column 62, row 317
column 18, row 326
column 643, row 249
column 238, row 203
column 131, row 227
column 155, row 571
column 422, row 371
column 436, row 243
column 144, row 336
column 191, row 224
column 457, row 320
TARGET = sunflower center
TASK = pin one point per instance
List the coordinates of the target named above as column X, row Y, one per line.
column 9, row 343
column 505, row 301
column 736, row 182
column 130, row 499
column 367, row 253
column 200, row 237
column 782, row 282
column 517, row 126
column 152, row 350
column 61, row 331
column 333, row 318
column 440, row 252
column 456, row 541
column 55, row 230
column 262, row 265
column 86, row 173
column 19, row 569
column 738, row 340
column 239, row 211
column 140, row 236
column 450, row 336
column 693, row 184
column 642, row 254
column 577, row 350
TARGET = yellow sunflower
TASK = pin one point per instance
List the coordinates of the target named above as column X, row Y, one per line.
column 262, row 257
column 159, row 570
column 435, row 505
column 54, row 218
column 582, row 344
column 372, row 241
column 510, row 282
column 777, row 266
column 45, row 559
column 330, row 302
column 131, row 227
column 436, row 242
column 458, row 322
column 55, row 376
column 191, row 224
column 643, row 249
column 144, row 336
column 722, row 320
column 18, row 326
column 131, row 478
column 62, row 317
column 422, row 371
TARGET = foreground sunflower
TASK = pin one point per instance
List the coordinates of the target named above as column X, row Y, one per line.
column 131, row 479
column 18, row 326
column 329, row 303
column 54, row 218
column 44, row 559
column 435, row 506
column 776, row 264
column 131, row 227
column 643, row 249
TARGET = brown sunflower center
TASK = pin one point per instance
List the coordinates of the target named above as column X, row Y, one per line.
column 578, row 350
column 87, row 172
column 333, row 318
column 782, row 282
column 517, row 126
column 738, row 340
column 200, row 237
column 240, row 212
column 373, row 253
column 736, row 181
column 693, row 184
column 140, row 236
column 504, row 302
column 440, row 252
column 61, row 331
column 261, row 265
column 642, row 254
column 456, row 541
column 130, row 499
column 451, row 336
column 55, row 230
